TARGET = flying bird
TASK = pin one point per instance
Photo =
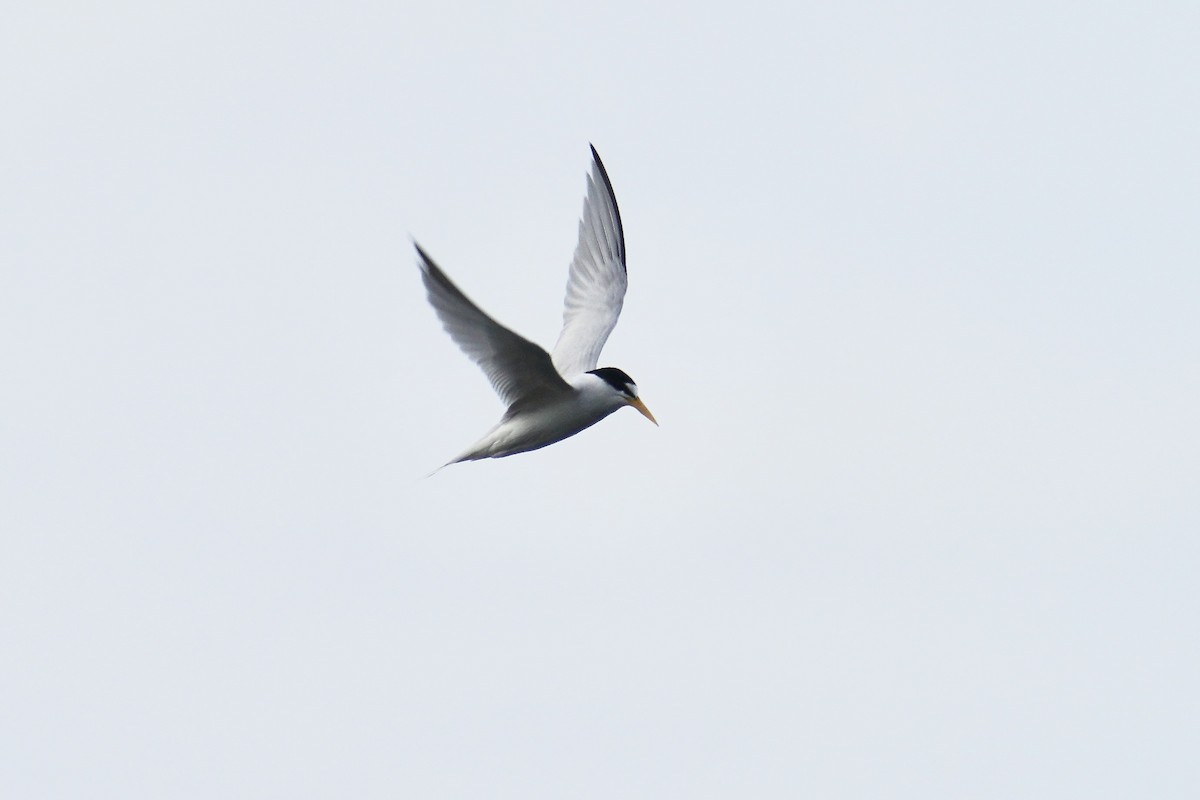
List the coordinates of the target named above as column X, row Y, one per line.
column 550, row 396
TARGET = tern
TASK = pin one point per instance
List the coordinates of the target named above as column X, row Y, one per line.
column 550, row 396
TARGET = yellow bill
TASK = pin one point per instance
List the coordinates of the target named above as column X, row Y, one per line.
column 640, row 406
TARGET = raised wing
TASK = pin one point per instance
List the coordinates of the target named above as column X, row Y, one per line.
column 517, row 368
column 596, row 285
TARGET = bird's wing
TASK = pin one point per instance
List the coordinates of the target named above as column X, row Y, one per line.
column 517, row 368
column 596, row 285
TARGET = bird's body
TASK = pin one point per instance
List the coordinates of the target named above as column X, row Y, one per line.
column 536, row 424
column 550, row 396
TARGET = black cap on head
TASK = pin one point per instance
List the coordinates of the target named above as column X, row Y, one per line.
column 616, row 379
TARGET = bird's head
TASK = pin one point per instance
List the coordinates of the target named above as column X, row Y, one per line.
column 624, row 386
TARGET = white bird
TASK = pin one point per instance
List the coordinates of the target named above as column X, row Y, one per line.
column 550, row 396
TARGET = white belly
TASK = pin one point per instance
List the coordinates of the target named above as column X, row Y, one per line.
column 535, row 428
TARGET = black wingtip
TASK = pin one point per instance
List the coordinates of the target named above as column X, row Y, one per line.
column 430, row 271
column 425, row 261
column 600, row 163
column 611, row 193
column 432, row 274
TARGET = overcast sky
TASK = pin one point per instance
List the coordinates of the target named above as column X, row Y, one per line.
column 914, row 294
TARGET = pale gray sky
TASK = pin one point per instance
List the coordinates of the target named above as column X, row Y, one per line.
column 914, row 292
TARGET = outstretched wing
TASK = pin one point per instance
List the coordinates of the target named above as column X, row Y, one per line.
column 596, row 285
column 517, row 368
